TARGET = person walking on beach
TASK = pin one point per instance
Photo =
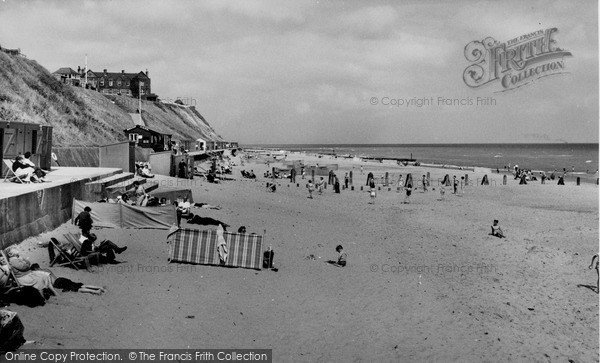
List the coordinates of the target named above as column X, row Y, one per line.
column 361, row 170
column 302, row 172
column 369, row 178
column 336, row 184
column 455, row 185
column 442, row 191
column 372, row 191
column 408, row 193
column 346, row 180
column 84, row 220
column 424, row 184
column 311, row 187
column 320, row 184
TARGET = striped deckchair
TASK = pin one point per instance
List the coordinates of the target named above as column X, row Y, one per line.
column 200, row 247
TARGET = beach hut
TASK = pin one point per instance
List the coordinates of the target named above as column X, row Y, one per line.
column 18, row 138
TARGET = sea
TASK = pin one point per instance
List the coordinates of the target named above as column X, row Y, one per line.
column 583, row 158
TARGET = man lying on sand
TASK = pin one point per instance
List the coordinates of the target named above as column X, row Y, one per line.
column 205, row 221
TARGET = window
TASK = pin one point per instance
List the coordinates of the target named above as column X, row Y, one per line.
column 143, row 92
column 127, row 84
column 102, row 81
column 119, row 83
column 133, row 137
column 110, row 83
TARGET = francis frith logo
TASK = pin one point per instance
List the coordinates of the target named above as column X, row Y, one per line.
column 514, row 63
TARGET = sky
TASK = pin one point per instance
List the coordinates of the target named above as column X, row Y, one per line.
column 335, row 72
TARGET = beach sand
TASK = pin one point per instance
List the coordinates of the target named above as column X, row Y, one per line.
column 424, row 280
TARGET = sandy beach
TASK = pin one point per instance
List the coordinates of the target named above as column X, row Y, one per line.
column 424, row 280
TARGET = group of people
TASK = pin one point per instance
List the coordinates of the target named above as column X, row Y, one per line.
column 26, row 170
column 248, row 174
column 144, row 170
column 31, row 278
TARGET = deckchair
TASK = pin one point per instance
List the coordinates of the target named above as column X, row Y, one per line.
column 7, row 177
column 71, row 260
column 77, row 247
column 16, row 285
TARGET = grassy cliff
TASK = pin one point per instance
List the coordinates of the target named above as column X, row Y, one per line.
column 80, row 117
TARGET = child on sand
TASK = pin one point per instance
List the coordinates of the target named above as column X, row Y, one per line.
column 341, row 261
column 496, row 230
column 442, row 191
column 311, row 188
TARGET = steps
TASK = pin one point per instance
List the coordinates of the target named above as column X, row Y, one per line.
column 115, row 185
column 126, row 186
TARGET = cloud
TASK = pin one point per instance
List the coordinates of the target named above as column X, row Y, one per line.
column 300, row 70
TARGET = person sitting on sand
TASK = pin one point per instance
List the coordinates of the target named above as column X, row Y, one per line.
column 271, row 187
column 107, row 248
column 341, row 261
column 597, row 258
column 496, row 230
column 123, row 199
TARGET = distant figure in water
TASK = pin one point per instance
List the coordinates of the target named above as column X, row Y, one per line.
column 496, row 230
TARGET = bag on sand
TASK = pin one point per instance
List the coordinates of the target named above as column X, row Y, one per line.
column 268, row 259
column 11, row 331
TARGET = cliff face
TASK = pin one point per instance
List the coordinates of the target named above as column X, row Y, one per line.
column 80, row 117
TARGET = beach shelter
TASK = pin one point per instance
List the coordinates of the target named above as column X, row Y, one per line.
column 117, row 215
column 485, row 180
column 206, row 248
column 409, row 180
column 446, row 180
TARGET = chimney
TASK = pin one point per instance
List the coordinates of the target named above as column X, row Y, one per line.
column 78, row 69
column 105, row 72
column 122, row 71
column 146, row 72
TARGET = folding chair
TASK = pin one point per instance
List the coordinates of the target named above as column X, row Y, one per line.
column 71, row 260
column 79, row 256
column 7, row 177
column 11, row 276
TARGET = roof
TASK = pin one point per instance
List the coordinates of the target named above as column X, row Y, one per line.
column 146, row 129
column 66, row 71
column 119, row 75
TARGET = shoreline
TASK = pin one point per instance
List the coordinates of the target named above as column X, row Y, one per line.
column 585, row 178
